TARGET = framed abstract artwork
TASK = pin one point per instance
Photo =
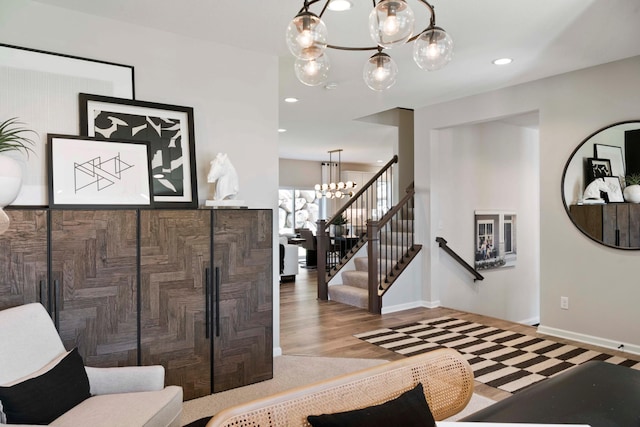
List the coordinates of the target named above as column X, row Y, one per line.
column 597, row 168
column 41, row 89
column 169, row 130
column 86, row 172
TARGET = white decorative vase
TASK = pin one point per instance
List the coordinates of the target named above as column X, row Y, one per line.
column 631, row 193
column 10, row 183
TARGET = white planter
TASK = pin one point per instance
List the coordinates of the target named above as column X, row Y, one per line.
column 10, row 180
column 631, row 193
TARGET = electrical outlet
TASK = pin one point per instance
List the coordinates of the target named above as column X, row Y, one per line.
column 564, row 303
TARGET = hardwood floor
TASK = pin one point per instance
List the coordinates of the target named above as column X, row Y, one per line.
column 325, row 328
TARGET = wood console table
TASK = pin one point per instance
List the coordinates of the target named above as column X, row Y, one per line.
column 615, row 224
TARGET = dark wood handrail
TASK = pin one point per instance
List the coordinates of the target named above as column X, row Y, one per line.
column 443, row 244
column 362, row 190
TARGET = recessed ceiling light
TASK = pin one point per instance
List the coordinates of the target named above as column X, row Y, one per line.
column 339, row 5
column 380, row 161
column 502, row 61
column 331, row 86
column 291, row 100
column 281, row 130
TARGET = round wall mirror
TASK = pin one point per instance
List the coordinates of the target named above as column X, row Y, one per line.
column 594, row 181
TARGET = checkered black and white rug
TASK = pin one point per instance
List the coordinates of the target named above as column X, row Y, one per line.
column 501, row 359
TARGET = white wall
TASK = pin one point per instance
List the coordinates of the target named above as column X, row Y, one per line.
column 235, row 108
column 490, row 166
column 601, row 282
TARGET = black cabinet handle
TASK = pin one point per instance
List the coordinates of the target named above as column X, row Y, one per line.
column 43, row 296
column 617, row 237
column 217, row 301
column 207, row 302
column 56, row 300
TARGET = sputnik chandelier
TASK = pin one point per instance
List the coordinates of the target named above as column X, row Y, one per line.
column 391, row 24
column 335, row 190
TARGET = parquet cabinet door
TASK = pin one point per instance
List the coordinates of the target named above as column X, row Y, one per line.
column 243, row 298
column 23, row 259
column 94, row 277
column 175, row 258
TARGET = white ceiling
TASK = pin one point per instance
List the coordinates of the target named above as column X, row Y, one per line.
column 544, row 37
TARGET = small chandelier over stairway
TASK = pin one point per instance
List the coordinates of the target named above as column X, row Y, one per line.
column 391, row 24
column 333, row 189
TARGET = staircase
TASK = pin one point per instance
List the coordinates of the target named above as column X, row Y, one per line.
column 389, row 244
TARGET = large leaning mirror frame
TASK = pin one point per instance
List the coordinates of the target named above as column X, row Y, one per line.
column 601, row 186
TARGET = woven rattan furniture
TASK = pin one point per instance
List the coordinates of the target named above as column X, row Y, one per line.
column 446, row 377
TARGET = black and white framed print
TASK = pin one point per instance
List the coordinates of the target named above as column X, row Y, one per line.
column 41, row 89
column 168, row 128
column 597, row 168
column 85, row 172
column 614, row 154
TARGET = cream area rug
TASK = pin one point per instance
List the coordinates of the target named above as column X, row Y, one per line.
column 290, row 372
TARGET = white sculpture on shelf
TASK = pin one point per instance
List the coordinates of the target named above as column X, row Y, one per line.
column 225, row 177
column 592, row 192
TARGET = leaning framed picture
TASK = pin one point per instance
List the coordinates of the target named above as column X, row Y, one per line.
column 85, row 172
column 597, row 168
column 168, row 128
column 41, row 89
column 614, row 189
column 614, row 154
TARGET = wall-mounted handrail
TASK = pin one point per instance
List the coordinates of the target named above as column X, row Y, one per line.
column 443, row 244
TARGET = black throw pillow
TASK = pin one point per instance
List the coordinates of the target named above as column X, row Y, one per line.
column 42, row 399
column 410, row 409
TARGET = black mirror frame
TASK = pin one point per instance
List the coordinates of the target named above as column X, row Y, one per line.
column 564, row 173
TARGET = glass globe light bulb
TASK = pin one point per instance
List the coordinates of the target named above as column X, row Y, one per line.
column 329, row 195
column 306, row 36
column 318, row 195
column 325, row 187
column 339, row 194
column 316, row 187
column 391, row 23
column 349, row 184
column 312, row 72
column 332, row 186
column 433, row 49
column 380, row 72
column 340, row 185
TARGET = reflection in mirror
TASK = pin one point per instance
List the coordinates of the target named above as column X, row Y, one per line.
column 593, row 184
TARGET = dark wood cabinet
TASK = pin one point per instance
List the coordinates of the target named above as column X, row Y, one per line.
column 614, row 224
column 175, row 258
column 242, row 304
column 23, row 259
column 93, row 272
column 189, row 289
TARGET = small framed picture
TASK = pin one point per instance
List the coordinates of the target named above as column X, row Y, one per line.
column 168, row 128
column 614, row 189
column 597, row 168
column 89, row 173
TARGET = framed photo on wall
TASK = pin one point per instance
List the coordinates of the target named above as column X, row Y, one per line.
column 41, row 89
column 168, row 128
column 597, row 168
column 495, row 239
column 86, row 172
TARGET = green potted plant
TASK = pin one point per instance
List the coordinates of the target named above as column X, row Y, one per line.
column 13, row 137
column 632, row 188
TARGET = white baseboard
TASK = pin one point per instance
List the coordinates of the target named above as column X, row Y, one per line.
column 531, row 321
column 409, row 306
column 277, row 351
column 589, row 339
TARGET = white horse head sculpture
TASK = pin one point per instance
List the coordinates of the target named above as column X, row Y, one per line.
column 225, row 176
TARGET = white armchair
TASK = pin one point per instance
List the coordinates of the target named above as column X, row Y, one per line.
column 129, row 396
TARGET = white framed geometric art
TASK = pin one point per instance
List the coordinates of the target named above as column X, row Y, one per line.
column 88, row 173
column 495, row 239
